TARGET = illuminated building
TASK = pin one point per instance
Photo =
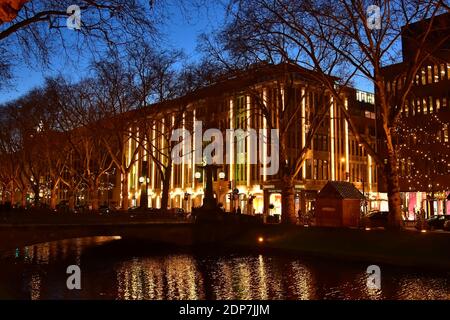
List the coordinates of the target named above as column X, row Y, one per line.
column 422, row 139
column 230, row 104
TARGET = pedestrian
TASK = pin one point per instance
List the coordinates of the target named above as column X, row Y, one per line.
column 238, row 211
column 299, row 214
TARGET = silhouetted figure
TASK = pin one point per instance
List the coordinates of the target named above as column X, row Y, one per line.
column 299, row 214
column 238, row 211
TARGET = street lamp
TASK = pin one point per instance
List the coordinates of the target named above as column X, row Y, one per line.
column 222, row 175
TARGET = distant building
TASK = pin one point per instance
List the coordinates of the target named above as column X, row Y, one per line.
column 423, row 137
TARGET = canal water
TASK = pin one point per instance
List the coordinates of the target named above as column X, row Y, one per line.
column 114, row 269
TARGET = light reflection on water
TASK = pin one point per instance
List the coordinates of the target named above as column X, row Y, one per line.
column 113, row 270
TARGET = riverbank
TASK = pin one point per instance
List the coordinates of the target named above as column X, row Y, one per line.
column 408, row 248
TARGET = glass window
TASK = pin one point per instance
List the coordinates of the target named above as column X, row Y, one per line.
column 429, row 74
column 436, row 73
column 445, row 133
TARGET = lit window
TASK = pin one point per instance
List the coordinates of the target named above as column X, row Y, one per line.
column 429, row 75
column 445, row 133
column 436, row 73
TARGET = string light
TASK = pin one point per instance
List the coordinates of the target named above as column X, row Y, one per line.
column 423, row 150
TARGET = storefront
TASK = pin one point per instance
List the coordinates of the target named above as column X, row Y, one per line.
column 433, row 203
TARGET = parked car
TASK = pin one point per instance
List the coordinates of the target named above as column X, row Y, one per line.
column 437, row 221
column 376, row 219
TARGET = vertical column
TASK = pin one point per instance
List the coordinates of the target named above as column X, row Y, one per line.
column 332, row 155
column 231, row 175
column 347, row 158
column 136, row 165
column 303, row 127
column 183, row 153
column 163, row 129
column 193, row 152
column 129, row 159
column 249, row 147
column 153, row 155
column 265, row 137
column 168, row 155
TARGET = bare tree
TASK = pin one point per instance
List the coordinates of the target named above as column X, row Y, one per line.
column 39, row 31
column 336, row 38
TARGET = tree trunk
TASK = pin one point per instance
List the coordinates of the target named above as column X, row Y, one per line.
column 12, row 195
column 288, row 215
column 71, row 200
column 166, row 189
column 36, row 195
column 93, row 194
column 125, row 191
column 24, row 199
column 393, row 189
column 53, row 199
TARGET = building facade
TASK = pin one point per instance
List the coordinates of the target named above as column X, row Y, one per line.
column 422, row 139
column 234, row 102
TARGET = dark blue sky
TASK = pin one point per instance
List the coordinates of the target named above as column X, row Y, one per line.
column 180, row 32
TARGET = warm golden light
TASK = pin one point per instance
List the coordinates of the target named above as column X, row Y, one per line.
column 260, row 239
column 342, row 159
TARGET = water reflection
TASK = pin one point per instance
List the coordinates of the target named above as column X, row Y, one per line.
column 112, row 269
